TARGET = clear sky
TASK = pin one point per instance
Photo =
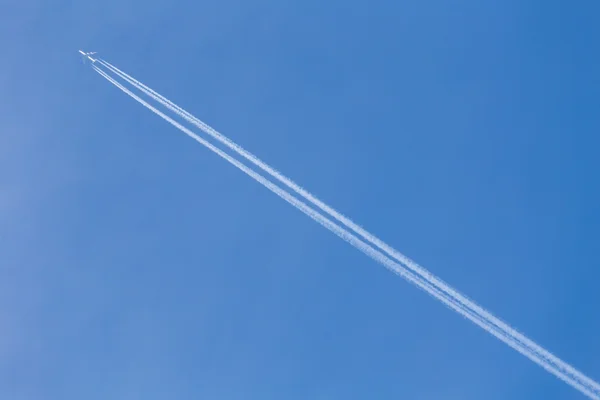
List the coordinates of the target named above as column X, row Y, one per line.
column 135, row 264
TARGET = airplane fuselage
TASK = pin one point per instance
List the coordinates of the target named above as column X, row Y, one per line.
column 88, row 55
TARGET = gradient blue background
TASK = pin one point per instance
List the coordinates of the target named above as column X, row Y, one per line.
column 135, row 264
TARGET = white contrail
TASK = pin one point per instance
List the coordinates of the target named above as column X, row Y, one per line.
column 492, row 320
column 410, row 264
column 376, row 255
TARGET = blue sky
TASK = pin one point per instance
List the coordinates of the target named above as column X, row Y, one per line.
column 135, row 264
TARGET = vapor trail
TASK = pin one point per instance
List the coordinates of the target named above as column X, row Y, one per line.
column 410, row 264
column 375, row 254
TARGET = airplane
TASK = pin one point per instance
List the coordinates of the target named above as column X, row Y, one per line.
column 88, row 55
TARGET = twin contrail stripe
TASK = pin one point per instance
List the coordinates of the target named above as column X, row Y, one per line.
column 410, row 270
